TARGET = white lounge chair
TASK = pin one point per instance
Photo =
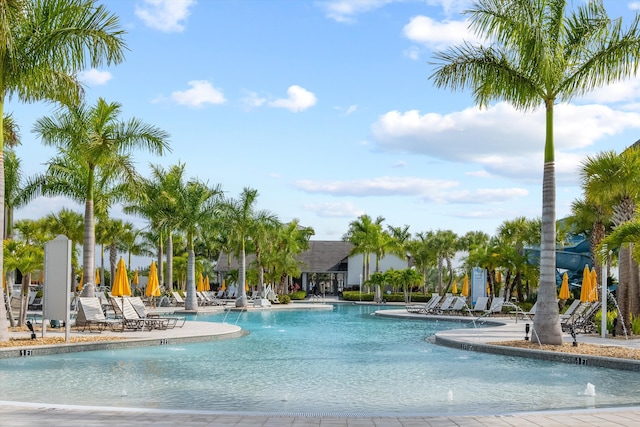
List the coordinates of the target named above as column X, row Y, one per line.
column 132, row 320
column 445, row 305
column 141, row 309
column 496, row 306
column 177, row 298
column 458, row 306
column 423, row 308
column 480, row 305
column 90, row 315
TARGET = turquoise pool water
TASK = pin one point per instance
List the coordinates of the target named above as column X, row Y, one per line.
column 340, row 362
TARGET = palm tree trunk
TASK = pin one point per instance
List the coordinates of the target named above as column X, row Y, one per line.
column 241, row 299
column 170, row 261
column 191, row 303
column 4, row 325
column 89, row 248
column 634, row 304
column 160, row 264
column 622, row 294
column 113, row 260
column 546, row 322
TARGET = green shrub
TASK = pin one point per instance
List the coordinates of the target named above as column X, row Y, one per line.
column 611, row 315
column 298, row 295
column 284, row 299
column 635, row 324
column 357, row 296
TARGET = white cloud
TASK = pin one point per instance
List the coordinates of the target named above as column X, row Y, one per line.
column 346, row 10
column 479, row 174
column 412, row 52
column 634, row 5
column 252, row 100
column 399, row 164
column 164, row 15
column 422, row 29
column 335, row 210
column 94, row 77
column 478, row 196
column 382, row 186
column 505, row 142
column 351, row 109
column 622, row 91
column 201, row 92
column 298, row 99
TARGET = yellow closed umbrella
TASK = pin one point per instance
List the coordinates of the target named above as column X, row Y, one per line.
column 564, row 288
column 153, row 285
column 79, row 287
column 454, row 288
column 593, row 291
column 465, row 286
column 97, row 276
column 224, row 285
column 586, row 284
column 121, row 286
column 135, row 278
column 246, row 285
column 498, row 276
column 207, row 285
column 200, row 286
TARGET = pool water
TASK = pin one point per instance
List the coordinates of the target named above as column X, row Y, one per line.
column 336, row 362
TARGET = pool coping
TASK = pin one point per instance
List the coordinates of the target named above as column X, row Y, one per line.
column 506, row 329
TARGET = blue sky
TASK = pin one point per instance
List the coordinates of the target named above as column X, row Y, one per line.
column 325, row 107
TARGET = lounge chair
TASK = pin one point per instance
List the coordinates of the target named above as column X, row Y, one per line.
column 583, row 322
column 132, row 320
column 211, row 298
column 445, row 305
column 90, row 315
column 141, row 309
column 423, row 308
column 177, row 298
column 458, row 307
column 571, row 309
column 480, row 305
column 496, row 306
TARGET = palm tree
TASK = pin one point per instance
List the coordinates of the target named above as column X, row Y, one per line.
column 363, row 235
column 541, row 52
column 197, row 207
column 611, row 179
column 281, row 255
column 70, row 224
column 593, row 220
column 240, row 218
column 42, row 45
column 446, row 245
column 95, row 151
column 424, row 254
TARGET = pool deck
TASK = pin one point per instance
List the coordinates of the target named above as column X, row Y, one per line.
column 473, row 339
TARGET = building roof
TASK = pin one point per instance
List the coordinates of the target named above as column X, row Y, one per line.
column 323, row 256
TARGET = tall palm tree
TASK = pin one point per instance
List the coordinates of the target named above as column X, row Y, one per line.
column 94, row 143
column 287, row 242
column 363, row 234
column 240, row 217
column 424, row 254
column 197, row 208
column 541, row 52
column 42, row 45
column 446, row 245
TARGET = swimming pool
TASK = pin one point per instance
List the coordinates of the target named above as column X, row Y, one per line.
column 343, row 362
